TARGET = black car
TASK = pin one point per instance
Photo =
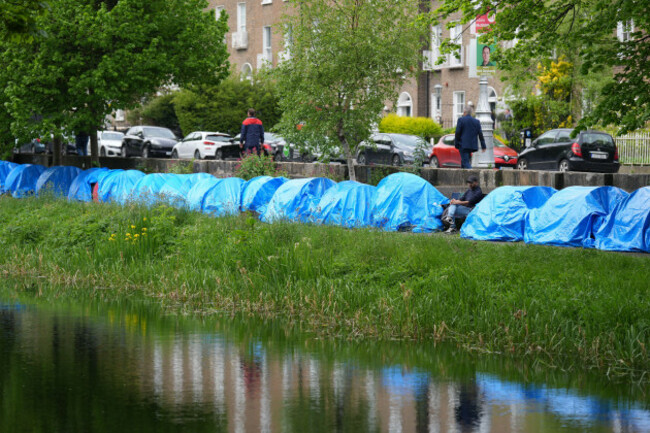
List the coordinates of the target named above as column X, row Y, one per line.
column 148, row 141
column 393, row 149
column 556, row 150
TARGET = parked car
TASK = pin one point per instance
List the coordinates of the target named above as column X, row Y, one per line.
column 34, row 146
column 46, row 145
column 204, row 145
column 445, row 154
column 556, row 150
column 148, row 141
column 109, row 143
column 393, row 149
column 273, row 145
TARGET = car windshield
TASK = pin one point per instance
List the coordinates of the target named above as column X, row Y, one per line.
column 158, row 132
column 270, row 137
column 596, row 139
column 219, row 138
column 408, row 140
column 112, row 136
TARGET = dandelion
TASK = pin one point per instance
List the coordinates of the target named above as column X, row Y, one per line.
column 136, row 235
column 144, row 229
column 144, row 234
column 132, row 226
column 144, row 219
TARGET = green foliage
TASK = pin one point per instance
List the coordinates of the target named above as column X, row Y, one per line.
column 345, row 63
column 223, row 107
column 251, row 166
column 420, row 126
column 182, row 167
column 18, row 20
column 158, row 111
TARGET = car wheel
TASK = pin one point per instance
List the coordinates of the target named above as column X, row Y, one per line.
column 102, row 151
column 522, row 164
column 197, row 154
column 174, row 154
column 563, row 165
column 396, row 161
column 434, row 162
column 218, row 154
column 361, row 159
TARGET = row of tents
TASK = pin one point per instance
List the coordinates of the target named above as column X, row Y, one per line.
column 606, row 218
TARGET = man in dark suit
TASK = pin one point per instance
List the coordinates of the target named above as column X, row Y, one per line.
column 468, row 129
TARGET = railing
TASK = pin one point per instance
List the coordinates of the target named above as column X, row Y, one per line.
column 634, row 148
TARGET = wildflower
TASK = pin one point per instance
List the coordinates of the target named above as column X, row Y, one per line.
column 132, row 226
column 144, row 234
column 144, row 219
column 128, row 235
column 136, row 235
column 144, row 229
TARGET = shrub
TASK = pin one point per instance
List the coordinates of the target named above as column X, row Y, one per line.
column 421, row 126
column 251, row 166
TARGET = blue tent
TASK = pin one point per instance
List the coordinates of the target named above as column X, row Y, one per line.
column 406, row 201
column 224, row 198
column 296, row 200
column 347, row 204
column 501, row 216
column 57, row 179
column 81, row 187
column 5, row 168
column 571, row 216
column 21, row 181
column 118, row 185
column 148, row 189
column 627, row 227
column 258, row 191
column 175, row 192
column 197, row 193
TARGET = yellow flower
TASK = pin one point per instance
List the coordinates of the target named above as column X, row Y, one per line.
column 128, row 235
column 136, row 235
column 144, row 219
column 144, row 229
column 144, row 234
column 132, row 226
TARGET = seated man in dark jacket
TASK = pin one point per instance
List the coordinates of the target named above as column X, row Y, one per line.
column 252, row 134
column 462, row 207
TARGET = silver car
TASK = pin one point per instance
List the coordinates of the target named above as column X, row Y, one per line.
column 109, row 143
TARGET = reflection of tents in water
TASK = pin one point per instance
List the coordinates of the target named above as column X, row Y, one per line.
column 224, row 198
column 296, row 200
column 572, row 215
column 406, row 201
column 346, row 204
column 627, row 227
column 501, row 216
column 57, row 179
column 118, row 185
column 81, row 187
column 258, row 191
column 21, row 181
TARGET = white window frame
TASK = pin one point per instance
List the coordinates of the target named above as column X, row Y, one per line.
column 267, row 48
column 247, row 72
column 436, row 107
column 624, row 30
column 241, row 17
column 436, row 40
column 218, row 11
column 405, row 105
column 459, row 105
column 267, row 2
column 456, row 36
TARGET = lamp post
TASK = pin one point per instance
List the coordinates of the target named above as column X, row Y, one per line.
column 483, row 114
column 437, row 89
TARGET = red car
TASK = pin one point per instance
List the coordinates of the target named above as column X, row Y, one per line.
column 444, row 154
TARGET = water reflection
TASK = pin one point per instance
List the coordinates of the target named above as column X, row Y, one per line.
column 96, row 369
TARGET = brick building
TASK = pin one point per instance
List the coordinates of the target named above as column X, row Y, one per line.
column 256, row 39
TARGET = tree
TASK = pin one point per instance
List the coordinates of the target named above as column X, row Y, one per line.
column 99, row 56
column 347, row 59
column 17, row 19
column 158, row 111
column 587, row 28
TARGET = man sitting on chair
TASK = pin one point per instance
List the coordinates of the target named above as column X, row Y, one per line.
column 462, row 207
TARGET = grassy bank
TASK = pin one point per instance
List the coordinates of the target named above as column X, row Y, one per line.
column 569, row 308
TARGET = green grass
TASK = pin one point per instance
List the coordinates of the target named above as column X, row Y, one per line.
column 569, row 308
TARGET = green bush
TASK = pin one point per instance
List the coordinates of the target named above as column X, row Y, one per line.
column 421, row 126
column 252, row 166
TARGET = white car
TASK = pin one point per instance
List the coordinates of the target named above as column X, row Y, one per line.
column 202, row 145
column 109, row 143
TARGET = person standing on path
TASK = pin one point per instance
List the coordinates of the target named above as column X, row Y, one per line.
column 252, row 133
column 467, row 131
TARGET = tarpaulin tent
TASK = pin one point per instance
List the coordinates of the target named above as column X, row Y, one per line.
column 5, row 168
column 81, row 187
column 258, row 191
column 21, row 181
column 346, row 204
column 196, row 195
column 175, row 193
column 571, row 216
column 296, row 200
column 148, row 189
column 501, row 216
column 406, row 201
column 57, row 179
column 627, row 227
column 118, row 185
column 224, row 198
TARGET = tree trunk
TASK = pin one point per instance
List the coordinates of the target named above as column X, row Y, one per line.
column 56, row 150
column 348, row 153
column 94, row 151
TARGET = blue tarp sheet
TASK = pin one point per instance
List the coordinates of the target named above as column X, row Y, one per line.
column 5, row 168
column 258, row 191
column 296, row 200
column 571, row 216
column 57, row 179
column 501, row 216
column 197, row 193
column 21, row 181
column 224, row 198
column 405, row 201
column 148, row 190
column 81, row 188
column 627, row 227
column 118, row 185
column 175, row 193
column 347, row 204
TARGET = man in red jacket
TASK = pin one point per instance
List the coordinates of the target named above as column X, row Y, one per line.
column 252, row 134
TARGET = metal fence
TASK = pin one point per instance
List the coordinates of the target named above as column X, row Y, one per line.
column 634, row 148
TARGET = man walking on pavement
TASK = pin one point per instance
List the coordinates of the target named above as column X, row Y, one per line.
column 467, row 131
column 252, row 133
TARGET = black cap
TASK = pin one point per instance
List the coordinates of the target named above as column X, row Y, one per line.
column 472, row 179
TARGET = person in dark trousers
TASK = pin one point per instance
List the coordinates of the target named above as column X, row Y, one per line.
column 462, row 207
column 81, row 143
column 252, row 133
column 467, row 131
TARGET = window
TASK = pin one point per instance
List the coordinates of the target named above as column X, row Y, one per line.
column 436, row 39
column 546, row 138
column 247, row 72
column 459, row 105
column 404, row 105
column 218, row 11
column 456, row 36
column 563, row 136
column 266, row 43
column 241, row 17
column 436, row 107
column 624, row 30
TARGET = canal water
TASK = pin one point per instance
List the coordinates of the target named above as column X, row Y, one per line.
column 97, row 367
